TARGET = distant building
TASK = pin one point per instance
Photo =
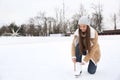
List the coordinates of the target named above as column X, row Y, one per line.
column 110, row 32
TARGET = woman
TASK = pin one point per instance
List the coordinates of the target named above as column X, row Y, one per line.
column 85, row 42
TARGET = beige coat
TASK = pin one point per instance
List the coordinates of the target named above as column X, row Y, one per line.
column 95, row 50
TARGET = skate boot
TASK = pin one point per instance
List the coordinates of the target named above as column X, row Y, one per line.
column 78, row 69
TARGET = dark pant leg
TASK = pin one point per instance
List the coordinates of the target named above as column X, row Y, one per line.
column 92, row 67
column 77, row 52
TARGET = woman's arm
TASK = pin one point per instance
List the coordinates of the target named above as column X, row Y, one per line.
column 93, row 48
column 73, row 46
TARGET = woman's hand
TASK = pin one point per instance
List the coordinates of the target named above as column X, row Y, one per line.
column 83, row 63
column 74, row 59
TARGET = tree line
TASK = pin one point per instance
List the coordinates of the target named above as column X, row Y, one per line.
column 41, row 25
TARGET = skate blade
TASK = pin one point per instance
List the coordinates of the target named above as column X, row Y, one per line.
column 76, row 76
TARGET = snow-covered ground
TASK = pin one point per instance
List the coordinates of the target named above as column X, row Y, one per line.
column 49, row 58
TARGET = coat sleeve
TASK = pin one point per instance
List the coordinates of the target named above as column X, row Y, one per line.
column 73, row 46
column 93, row 48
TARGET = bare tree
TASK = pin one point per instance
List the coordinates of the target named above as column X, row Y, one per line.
column 61, row 19
column 114, row 20
column 58, row 27
column 64, row 25
column 50, row 23
column 32, row 21
column 40, row 21
column 32, row 31
column 97, row 17
column 4, row 30
column 57, row 15
column 23, row 30
column 45, row 26
column 74, row 22
column 82, row 10
column 60, row 24
column 118, row 16
column 119, row 13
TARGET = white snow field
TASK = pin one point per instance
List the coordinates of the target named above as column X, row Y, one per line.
column 49, row 58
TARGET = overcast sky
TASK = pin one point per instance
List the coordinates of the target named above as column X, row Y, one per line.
column 19, row 11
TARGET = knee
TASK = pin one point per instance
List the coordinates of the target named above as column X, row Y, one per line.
column 91, row 71
column 92, row 68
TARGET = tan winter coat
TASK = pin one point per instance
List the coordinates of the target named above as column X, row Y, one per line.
column 95, row 50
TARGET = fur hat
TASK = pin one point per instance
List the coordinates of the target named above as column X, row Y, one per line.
column 84, row 20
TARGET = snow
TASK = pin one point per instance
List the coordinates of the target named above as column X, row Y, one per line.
column 49, row 58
